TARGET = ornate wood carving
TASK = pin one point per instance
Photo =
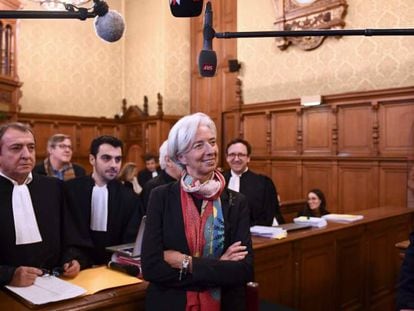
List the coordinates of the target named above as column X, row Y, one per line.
column 305, row 15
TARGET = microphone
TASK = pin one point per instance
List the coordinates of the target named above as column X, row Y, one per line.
column 109, row 24
column 132, row 270
column 186, row 8
column 207, row 60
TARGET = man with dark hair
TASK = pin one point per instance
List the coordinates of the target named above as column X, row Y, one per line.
column 259, row 189
column 58, row 163
column 35, row 227
column 106, row 212
column 150, row 171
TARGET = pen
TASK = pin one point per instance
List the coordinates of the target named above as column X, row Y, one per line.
column 57, row 271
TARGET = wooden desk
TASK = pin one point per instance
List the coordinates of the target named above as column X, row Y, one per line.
column 340, row 267
column 126, row 298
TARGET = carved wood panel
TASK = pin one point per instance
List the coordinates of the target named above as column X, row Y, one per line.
column 397, row 128
column 393, row 184
column 355, row 181
column 317, row 131
column 287, row 176
column 355, row 130
column 256, row 129
column 283, row 133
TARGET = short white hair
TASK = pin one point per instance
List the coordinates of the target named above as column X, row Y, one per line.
column 163, row 154
column 182, row 134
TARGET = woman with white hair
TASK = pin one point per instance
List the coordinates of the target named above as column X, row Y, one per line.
column 197, row 250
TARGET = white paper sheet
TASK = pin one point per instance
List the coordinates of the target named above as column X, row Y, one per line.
column 48, row 289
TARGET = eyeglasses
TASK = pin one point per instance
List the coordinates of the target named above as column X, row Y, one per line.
column 239, row 155
column 63, row 146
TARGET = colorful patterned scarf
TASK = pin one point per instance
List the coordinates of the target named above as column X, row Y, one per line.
column 67, row 172
column 204, row 231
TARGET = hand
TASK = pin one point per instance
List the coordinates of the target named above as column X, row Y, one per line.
column 25, row 276
column 173, row 258
column 235, row 252
column 71, row 269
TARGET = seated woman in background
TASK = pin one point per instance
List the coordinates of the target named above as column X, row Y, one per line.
column 316, row 205
column 197, row 251
column 128, row 176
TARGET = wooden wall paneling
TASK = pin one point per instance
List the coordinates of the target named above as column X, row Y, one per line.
column 152, row 138
column 230, row 131
column 319, row 174
column 255, row 131
column 87, row 133
column 396, row 127
column 316, row 263
column 274, row 273
column 350, row 259
column 393, row 184
column 284, row 130
column 110, row 130
column 381, row 270
column 358, row 185
column 260, row 167
column 42, row 131
column 355, row 128
column 287, row 177
column 317, row 134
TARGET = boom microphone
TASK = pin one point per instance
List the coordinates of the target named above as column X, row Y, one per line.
column 207, row 60
column 186, row 8
column 109, row 24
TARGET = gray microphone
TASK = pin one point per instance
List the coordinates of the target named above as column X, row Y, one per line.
column 110, row 27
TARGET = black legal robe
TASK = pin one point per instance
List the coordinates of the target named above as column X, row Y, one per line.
column 124, row 215
column 60, row 240
column 262, row 197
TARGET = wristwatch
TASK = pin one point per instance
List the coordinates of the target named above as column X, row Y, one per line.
column 184, row 267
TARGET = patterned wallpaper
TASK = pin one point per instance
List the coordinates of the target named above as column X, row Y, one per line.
column 66, row 69
column 157, row 56
column 339, row 65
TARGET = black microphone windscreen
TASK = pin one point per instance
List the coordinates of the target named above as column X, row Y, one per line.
column 110, row 27
column 128, row 269
column 186, row 8
column 207, row 63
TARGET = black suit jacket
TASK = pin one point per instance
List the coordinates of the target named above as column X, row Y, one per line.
column 405, row 298
column 261, row 194
column 145, row 175
column 165, row 231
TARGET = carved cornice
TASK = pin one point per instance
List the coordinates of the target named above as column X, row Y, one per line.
column 319, row 14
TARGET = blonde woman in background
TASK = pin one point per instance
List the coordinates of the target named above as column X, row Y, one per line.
column 128, row 176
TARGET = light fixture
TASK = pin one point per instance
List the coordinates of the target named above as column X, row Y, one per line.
column 54, row 5
column 313, row 100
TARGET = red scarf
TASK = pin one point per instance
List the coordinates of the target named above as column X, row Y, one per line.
column 195, row 231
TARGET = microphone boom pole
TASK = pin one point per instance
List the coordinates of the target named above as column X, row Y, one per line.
column 311, row 33
column 81, row 14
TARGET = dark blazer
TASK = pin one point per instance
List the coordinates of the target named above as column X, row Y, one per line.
column 162, row 179
column 261, row 194
column 165, row 230
column 40, row 169
column 405, row 297
column 145, row 175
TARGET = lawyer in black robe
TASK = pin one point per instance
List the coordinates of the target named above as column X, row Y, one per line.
column 124, row 215
column 262, row 197
column 60, row 240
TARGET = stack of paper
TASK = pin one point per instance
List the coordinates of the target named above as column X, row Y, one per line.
column 48, row 289
column 268, row 232
column 313, row 221
column 343, row 218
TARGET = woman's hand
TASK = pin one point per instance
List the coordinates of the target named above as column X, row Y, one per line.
column 175, row 259
column 235, row 252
